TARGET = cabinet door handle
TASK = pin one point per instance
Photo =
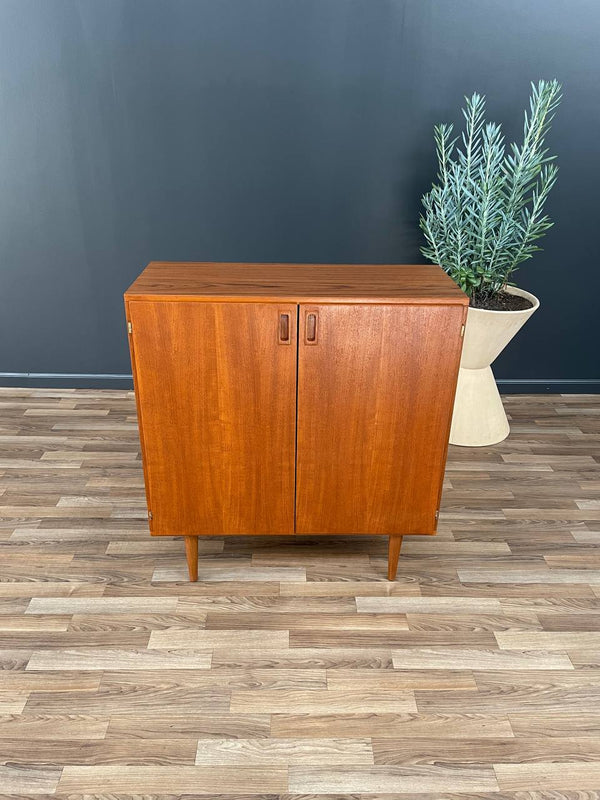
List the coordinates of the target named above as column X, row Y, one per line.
column 311, row 327
column 284, row 328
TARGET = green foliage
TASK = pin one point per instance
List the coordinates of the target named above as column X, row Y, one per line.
column 484, row 214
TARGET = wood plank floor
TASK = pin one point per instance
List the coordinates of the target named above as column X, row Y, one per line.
column 294, row 669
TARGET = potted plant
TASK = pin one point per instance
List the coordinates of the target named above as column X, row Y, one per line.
column 481, row 220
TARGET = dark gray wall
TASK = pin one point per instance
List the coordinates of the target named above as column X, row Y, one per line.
column 270, row 130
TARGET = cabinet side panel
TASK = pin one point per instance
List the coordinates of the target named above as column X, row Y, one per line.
column 375, row 397
column 216, row 398
column 137, row 402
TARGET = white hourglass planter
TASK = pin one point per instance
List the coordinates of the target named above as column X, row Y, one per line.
column 479, row 418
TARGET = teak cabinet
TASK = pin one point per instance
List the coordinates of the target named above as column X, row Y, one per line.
column 294, row 398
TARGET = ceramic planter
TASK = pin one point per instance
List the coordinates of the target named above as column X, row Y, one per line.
column 479, row 418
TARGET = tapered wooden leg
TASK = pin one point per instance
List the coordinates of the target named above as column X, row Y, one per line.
column 394, row 546
column 191, row 553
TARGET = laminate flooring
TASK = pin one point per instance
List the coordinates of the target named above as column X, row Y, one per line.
column 293, row 669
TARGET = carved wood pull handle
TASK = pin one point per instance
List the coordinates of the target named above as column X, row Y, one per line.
column 284, row 328
column 311, row 327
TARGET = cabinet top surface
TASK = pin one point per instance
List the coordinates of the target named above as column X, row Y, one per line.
column 372, row 283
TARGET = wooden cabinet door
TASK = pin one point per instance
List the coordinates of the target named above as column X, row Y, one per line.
column 216, row 391
column 375, row 393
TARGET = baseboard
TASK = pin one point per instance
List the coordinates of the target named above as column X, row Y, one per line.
column 551, row 386
column 67, row 380
column 74, row 380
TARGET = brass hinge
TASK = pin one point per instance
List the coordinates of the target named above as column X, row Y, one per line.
column 150, row 515
column 437, row 514
column 462, row 331
column 128, row 327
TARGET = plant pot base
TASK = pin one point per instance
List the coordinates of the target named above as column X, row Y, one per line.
column 479, row 418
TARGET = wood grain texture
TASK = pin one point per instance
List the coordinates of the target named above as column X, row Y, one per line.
column 317, row 701
column 218, row 422
column 387, row 779
column 39, row 753
column 272, row 752
column 420, row 283
column 385, row 726
column 163, row 780
column 549, row 775
column 191, row 554
column 379, row 382
column 394, row 545
column 482, row 751
column 293, row 668
column 54, row 727
column 109, row 658
column 25, row 780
